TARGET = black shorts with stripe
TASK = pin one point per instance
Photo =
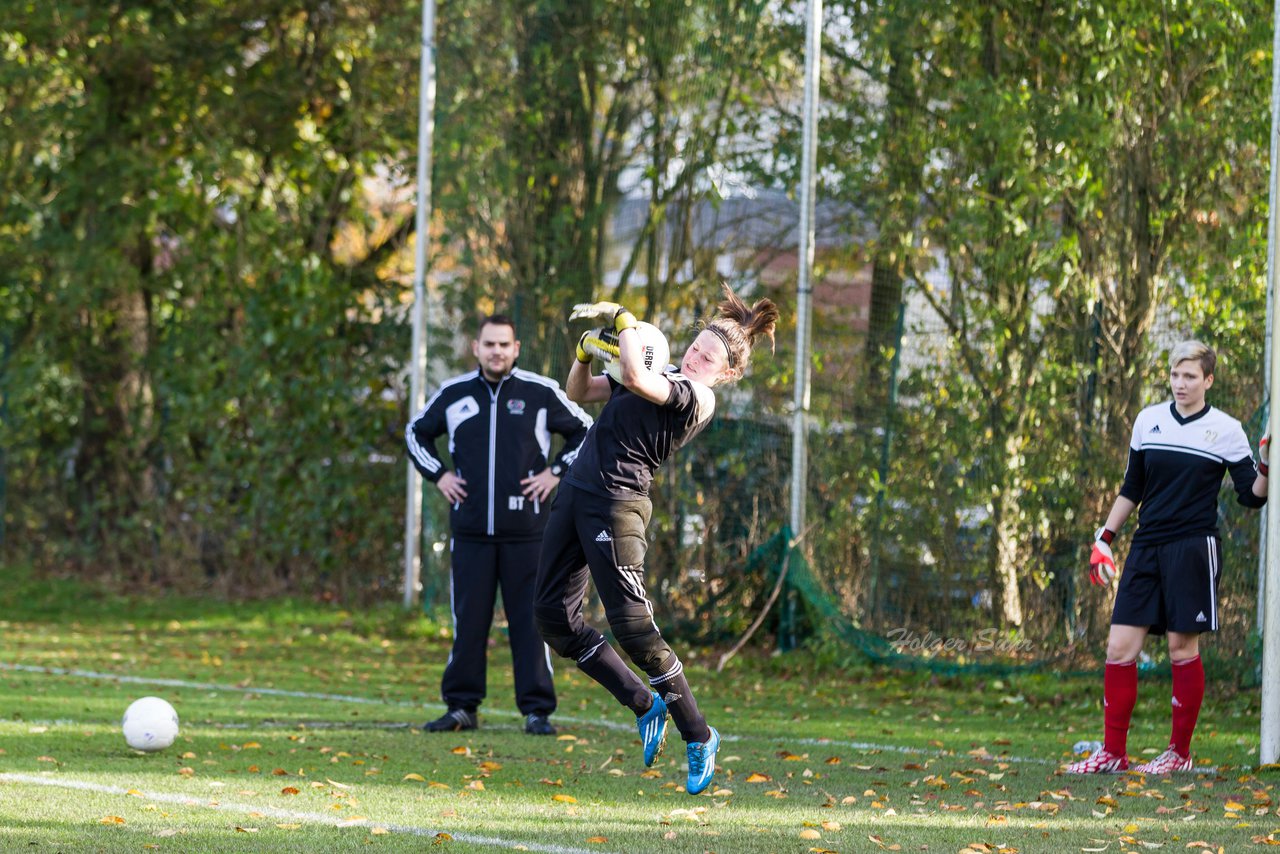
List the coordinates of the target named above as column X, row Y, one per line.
column 1171, row 586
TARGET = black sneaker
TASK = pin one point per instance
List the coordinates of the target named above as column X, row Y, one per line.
column 538, row 725
column 453, row 720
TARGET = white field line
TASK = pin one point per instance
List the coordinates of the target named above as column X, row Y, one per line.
column 594, row 722
column 291, row 815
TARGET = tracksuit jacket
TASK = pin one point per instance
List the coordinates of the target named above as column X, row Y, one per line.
column 498, row 435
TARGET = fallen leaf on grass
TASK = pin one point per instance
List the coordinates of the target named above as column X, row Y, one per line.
column 441, row 838
column 416, row 777
column 564, row 799
column 111, row 819
column 461, row 751
column 240, row 829
column 379, row 831
column 757, row 777
column 290, row 790
column 810, row 833
column 598, row 839
column 288, row 826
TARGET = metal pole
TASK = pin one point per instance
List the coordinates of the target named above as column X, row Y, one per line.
column 1269, row 749
column 422, row 240
column 804, row 289
column 1271, row 287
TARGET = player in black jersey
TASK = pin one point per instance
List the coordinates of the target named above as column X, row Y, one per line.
column 598, row 518
column 1177, row 455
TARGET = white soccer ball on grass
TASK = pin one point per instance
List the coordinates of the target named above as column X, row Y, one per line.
column 654, row 350
column 149, row 724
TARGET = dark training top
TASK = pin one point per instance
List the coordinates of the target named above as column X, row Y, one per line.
column 1175, row 471
column 633, row 436
column 499, row 434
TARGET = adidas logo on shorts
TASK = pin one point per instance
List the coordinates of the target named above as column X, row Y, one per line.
column 1201, row 618
column 603, row 537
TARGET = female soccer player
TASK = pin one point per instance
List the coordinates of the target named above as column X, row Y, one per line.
column 598, row 518
column 1177, row 456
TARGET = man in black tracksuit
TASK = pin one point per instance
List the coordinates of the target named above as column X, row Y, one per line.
column 499, row 420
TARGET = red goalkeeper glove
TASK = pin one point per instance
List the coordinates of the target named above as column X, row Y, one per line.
column 1102, row 564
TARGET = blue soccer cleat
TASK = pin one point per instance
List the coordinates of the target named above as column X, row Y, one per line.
column 702, row 762
column 653, row 729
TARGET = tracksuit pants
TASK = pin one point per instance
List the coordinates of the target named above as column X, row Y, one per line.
column 479, row 569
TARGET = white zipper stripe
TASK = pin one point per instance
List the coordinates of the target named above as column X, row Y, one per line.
column 493, row 445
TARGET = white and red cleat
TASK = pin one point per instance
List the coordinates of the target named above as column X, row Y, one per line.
column 1101, row 762
column 1169, row 762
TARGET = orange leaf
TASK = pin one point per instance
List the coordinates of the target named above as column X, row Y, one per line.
column 757, row 777
column 564, row 799
column 289, row 790
column 111, row 819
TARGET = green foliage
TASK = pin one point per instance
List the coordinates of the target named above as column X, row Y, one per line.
column 208, row 226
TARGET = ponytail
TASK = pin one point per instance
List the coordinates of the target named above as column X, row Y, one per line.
column 740, row 327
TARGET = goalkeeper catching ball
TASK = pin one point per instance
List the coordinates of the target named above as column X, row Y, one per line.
column 1178, row 454
column 596, row 529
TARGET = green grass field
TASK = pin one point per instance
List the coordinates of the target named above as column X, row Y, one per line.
column 300, row 733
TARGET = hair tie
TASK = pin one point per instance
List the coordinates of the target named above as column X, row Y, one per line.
column 724, row 339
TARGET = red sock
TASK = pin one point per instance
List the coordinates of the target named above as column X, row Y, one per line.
column 1188, row 693
column 1119, row 694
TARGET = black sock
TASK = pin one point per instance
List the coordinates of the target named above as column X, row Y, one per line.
column 606, row 667
column 678, row 696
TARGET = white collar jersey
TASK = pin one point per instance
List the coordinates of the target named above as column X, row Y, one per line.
column 1175, row 470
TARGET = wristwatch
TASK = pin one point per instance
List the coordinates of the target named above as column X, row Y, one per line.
column 557, row 469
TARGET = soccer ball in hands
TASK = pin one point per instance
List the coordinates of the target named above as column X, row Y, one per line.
column 150, row 724
column 654, row 350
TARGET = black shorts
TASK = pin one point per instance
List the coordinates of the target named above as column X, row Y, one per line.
column 1171, row 586
column 592, row 536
